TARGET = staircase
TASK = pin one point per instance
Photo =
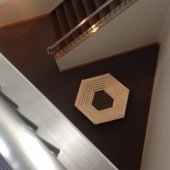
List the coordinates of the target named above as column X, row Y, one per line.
column 3, row 163
column 79, row 19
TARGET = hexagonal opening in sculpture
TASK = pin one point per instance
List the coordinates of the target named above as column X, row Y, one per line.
column 102, row 100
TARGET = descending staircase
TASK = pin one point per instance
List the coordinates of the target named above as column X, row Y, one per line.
column 79, row 19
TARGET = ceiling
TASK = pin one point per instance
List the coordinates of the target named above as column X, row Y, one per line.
column 13, row 11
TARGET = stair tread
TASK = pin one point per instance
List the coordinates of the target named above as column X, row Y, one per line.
column 70, row 14
column 79, row 10
column 90, row 7
column 80, row 13
column 58, row 34
column 58, row 31
column 63, row 24
column 105, row 10
column 71, row 17
column 62, row 20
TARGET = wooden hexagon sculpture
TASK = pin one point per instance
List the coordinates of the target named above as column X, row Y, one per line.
column 109, row 85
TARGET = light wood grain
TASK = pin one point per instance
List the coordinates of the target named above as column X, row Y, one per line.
column 113, row 88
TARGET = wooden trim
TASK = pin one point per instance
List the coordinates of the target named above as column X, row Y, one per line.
column 107, row 57
column 24, row 21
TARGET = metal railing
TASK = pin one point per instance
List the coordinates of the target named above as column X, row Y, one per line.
column 65, row 47
column 50, row 48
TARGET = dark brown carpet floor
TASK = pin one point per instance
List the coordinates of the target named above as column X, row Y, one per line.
column 122, row 140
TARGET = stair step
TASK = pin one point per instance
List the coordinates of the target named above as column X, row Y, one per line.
column 71, row 17
column 58, row 31
column 90, row 7
column 105, row 10
column 63, row 24
column 59, row 34
column 80, row 13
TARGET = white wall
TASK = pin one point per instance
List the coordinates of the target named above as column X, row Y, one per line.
column 157, row 144
column 12, row 11
column 137, row 26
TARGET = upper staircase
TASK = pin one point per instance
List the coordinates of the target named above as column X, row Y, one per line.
column 79, row 19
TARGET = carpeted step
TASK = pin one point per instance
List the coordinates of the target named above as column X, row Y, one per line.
column 71, row 17
column 80, row 13
column 90, row 7
column 63, row 24
column 105, row 11
column 59, row 35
